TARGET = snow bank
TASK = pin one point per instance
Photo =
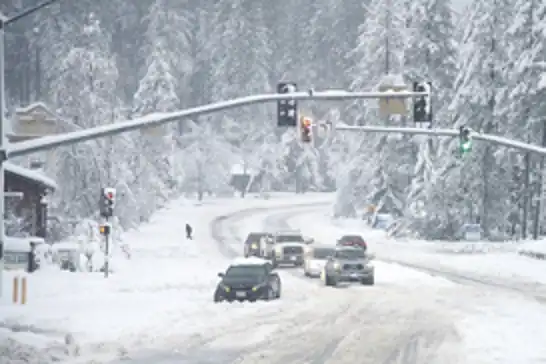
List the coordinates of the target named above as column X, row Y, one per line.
column 533, row 249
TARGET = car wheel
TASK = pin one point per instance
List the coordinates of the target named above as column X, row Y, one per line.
column 218, row 297
column 270, row 294
column 370, row 281
column 278, row 294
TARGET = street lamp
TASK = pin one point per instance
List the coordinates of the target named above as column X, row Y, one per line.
column 4, row 21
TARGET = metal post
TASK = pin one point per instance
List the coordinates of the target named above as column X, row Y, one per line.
column 2, row 151
column 539, row 194
column 107, row 250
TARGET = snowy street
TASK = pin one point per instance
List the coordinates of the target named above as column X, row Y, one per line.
column 157, row 307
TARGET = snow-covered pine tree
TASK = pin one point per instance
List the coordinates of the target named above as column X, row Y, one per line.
column 480, row 90
column 380, row 55
column 431, row 55
column 84, row 92
column 156, row 93
column 207, row 161
column 524, row 99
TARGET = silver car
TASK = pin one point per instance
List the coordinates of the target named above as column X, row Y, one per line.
column 348, row 264
column 315, row 259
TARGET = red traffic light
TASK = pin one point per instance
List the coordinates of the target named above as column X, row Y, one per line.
column 110, row 195
column 306, row 123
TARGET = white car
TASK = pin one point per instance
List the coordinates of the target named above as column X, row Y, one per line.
column 315, row 258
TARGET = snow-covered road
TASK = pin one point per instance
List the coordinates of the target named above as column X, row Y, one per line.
column 158, row 307
column 383, row 324
column 501, row 294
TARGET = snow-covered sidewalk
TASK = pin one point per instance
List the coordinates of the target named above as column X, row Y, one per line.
column 165, row 289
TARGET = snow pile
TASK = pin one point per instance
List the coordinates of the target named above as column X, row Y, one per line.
column 533, row 249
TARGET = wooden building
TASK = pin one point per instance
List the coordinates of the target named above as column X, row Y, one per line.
column 27, row 200
column 26, row 203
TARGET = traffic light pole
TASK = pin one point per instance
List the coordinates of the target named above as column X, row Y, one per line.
column 156, row 119
column 505, row 142
column 2, row 148
column 107, row 250
column 50, row 142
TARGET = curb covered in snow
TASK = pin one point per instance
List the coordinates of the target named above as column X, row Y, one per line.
column 533, row 254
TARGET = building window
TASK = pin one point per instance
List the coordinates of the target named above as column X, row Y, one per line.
column 16, row 257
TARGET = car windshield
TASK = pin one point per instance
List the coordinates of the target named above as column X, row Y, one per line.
column 352, row 238
column 289, row 238
column 254, row 238
column 323, row 253
column 245, row 271
column 350, row 254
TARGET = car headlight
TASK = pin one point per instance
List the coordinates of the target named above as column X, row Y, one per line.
column 257, row 287
column 226, row 288
column 254, row 246
column 337, row 266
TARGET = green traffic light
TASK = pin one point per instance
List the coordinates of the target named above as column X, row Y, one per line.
column 466, row 146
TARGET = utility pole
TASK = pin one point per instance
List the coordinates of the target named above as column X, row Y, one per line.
column 388, row 21
column 3, row 155
column 526, row 183
column 539, row 190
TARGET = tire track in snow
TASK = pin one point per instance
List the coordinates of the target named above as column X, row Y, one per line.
column 333, row 333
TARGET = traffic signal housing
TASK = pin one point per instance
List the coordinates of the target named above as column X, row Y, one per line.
column 465, row 140
column 422, row 105
column 305, row 129
column 287, row 110
column 107, row 202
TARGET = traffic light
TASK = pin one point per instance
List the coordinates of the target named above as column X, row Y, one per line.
column 107, row 201
column 287, row 110
column 465, row 140
column 422, row 106
column 105, row 229
column 305, row 129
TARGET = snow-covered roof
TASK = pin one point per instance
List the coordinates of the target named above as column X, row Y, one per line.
column 249, row 261
column 21, row 244
column 33, row 106
column 65, row 246
column 31, row 175
column 288, row 232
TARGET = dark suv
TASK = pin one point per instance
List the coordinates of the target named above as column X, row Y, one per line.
column 248, row 279
column 352, row 240
column 253, row 243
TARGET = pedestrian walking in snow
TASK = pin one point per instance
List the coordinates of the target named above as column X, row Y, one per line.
column 189, row 231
